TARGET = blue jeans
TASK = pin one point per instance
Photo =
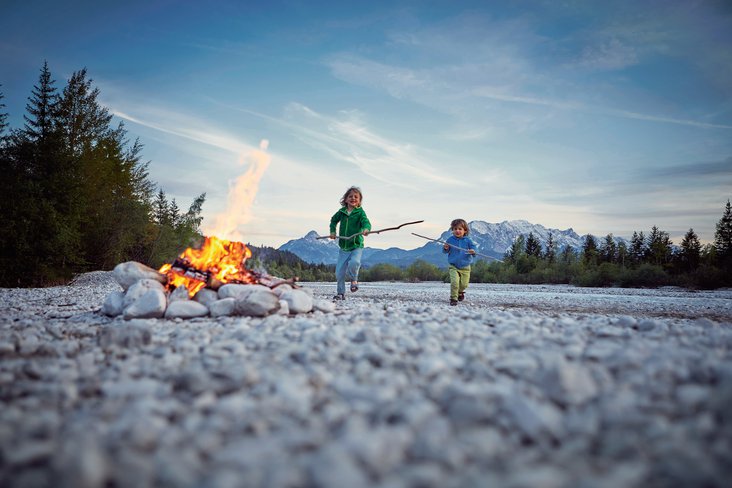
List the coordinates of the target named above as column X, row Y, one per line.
column 349, row 262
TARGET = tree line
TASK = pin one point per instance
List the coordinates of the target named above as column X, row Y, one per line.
column 77, row 195
column 650, row 260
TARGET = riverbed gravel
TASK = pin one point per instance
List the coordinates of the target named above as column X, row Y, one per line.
column 517, row 386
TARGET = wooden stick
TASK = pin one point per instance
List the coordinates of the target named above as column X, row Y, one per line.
column 373, row 231
column 456, row 247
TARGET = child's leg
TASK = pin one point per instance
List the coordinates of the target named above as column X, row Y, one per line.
column 354, row 264
column 454, row 282
column 341, row 268
column 464, row 279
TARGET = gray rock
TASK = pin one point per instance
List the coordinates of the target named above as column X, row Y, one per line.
column 151, row 304
column 298, row 301
column 235, row 290
column 567, row 383
column 185, row 309
column 180, row 293
column 222, row 308
column 206, row 296
column 127, row 274
column 258, row 302
column 138, row 289
column 113, row 304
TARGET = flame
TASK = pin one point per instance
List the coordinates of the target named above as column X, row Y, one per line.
column 242, row 193
column 217, row 260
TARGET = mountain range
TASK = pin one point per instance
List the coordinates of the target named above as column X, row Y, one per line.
column 492, row 240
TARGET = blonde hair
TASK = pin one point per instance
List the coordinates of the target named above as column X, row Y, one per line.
column 460, row 223
column 345, row 195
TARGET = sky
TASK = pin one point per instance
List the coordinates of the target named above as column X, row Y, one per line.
column 604, row 117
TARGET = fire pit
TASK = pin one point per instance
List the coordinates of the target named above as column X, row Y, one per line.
column 211, row 280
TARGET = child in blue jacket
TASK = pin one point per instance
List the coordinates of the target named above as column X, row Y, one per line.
column 459, row 259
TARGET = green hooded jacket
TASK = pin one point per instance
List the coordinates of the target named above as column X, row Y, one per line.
column 350, row 224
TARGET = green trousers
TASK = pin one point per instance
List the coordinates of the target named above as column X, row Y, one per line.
column 459, row 279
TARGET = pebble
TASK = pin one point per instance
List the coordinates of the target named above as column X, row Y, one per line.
column 390, row 388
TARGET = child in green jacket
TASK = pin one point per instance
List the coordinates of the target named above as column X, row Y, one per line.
column 353, row 220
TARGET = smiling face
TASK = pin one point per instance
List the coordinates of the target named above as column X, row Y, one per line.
column 458, row 231
column 353, row 199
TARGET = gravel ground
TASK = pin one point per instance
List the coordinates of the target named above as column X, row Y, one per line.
column 518, row 386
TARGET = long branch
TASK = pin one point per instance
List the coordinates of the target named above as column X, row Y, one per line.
column 372, row 232
column 456, row 247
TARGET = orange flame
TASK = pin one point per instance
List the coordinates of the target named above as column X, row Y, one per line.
column 217, row 259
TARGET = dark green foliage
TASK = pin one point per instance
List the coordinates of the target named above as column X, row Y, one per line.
column 424, row 271
column 723, row 239
column 3, row 115
column 285, row 264
column 690, row 253
column 382, row 272
column 78, row 197
column 590, row 252
column 533, row 246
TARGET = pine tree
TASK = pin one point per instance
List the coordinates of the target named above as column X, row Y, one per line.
column 42, row 107
column 690, row 251
column 638, row 249
column 84, row 122
column 3, row 115
column 589, row 250
column 723, row 237
column 550, row 253
column 608, row 250
column 516, row 250
column 622, row 253
column 659, row 248
column 533, row 246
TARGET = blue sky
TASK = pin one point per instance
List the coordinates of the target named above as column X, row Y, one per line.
column 607, row 117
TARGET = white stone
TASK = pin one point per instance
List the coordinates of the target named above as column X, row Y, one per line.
column 298, row 301
column 258, row 302
column 185, row 309
column 180, row 293
column 236, row 290
column 222, row 308
column 127, row 274
column 113, row 305
column 206, row 296
column 138, row 289
column 325, row 306
column 150, row 305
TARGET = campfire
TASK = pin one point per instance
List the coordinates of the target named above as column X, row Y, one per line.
column 216, row 263
column 208, row 281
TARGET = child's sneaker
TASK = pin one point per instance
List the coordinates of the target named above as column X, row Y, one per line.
column 453, row 302
column 461, row 296
column 339, row 296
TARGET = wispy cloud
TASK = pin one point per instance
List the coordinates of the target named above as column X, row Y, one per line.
column 348, row 139
column 182, row 126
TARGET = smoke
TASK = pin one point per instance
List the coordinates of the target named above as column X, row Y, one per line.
column 241, row 196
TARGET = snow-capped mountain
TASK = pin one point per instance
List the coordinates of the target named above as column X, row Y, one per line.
column 492, row 239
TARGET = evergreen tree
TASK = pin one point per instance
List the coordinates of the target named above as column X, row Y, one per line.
column 623, row 252
column 42, row 107
column 690, row 253
column 590, row 252
column 723, row 238
column 533, row 246
column 3, row 115
column 84, row 122
column 638, row 249
column 608, row 250
column 516, row 250
column 550, row 253
column 659, row 248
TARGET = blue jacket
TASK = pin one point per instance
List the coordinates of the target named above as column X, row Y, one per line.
column 458, row 257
